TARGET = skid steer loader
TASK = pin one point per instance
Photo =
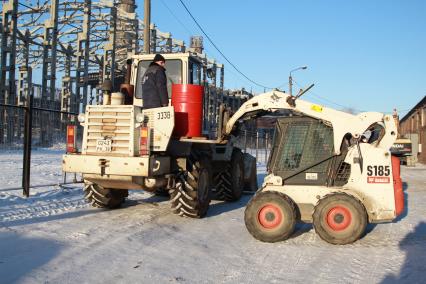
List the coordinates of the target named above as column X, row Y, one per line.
column 327, row 167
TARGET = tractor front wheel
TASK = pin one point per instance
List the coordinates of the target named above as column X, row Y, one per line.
column 229, row 182
column 191, row 195
column 101, row 197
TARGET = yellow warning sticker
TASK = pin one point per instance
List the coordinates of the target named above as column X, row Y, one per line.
column 316, row 108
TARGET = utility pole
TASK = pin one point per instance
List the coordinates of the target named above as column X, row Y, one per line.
column 147, row 27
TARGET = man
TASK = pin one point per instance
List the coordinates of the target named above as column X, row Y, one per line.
column 154, row 84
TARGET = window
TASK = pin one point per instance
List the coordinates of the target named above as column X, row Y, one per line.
column 194, row 73
column 423, row 116
column 173, row 73
column 302, row 144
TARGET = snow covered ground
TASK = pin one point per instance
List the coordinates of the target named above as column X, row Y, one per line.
column 55, row 237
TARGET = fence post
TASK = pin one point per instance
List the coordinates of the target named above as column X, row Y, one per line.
column 27, row 144
column 245, row 141
column 266, row 148
column 257, row 144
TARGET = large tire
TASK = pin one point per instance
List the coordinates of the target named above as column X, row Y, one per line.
column 229, row 183
column 162, row 192
column 191, row 195
column 270, row 216
column 250, row 170
column 340, row 219
column 101, row 197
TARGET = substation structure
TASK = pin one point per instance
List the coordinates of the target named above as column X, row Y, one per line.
column 57, row 54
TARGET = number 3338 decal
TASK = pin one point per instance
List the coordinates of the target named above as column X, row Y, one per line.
column 378, row 174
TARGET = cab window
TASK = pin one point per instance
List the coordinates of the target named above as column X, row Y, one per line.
column 194, row 73
column 173, row 73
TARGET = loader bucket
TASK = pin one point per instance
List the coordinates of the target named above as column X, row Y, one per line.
column 250, row 173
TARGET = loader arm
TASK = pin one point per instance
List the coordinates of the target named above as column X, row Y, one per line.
column 341, row 122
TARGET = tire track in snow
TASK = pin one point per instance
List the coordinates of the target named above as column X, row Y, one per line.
column 47, row 207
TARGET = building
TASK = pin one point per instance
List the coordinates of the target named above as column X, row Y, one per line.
column 413, row 126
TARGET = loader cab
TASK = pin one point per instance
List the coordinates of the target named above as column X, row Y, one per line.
column 181, row 68
column 303, row 153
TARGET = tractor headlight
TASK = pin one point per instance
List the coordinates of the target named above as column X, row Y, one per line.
column 81, row 117
column 139, row 118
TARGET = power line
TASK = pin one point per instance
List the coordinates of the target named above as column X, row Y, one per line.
column 221, row 53
column 347, row 107
column 176, row 18
column 190, row 33
column 327, row 100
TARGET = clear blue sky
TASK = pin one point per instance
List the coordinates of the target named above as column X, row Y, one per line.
column 367, row 55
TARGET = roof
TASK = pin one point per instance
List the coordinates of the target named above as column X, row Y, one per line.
column 413, row 110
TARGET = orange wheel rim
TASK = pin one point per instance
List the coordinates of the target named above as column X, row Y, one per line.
column 270, row 216
column 339, row 218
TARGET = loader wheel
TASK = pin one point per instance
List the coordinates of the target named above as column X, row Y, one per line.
column 191, row 195
column 340, row 219
column 101, row 197
column 229, row 183
column 270, row 216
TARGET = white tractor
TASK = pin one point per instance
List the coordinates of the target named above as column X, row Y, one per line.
column 128, row 147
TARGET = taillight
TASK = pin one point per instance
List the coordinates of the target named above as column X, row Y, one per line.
column 71, row 129
column 144, row 141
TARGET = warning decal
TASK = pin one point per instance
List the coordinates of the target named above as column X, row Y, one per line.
column 378, row 179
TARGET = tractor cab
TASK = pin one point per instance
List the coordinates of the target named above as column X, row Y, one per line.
column 181, row 68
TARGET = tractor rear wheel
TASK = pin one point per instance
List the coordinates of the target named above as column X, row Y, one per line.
column 101, row 197
column 270, row 216
column 340, row 219
column 191, row 195
column 229, row 183
column 161, row 191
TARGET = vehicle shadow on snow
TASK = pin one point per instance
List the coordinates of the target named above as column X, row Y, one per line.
column 21, row 255
column 151, row 200
column 413, row 269
column 222, row 207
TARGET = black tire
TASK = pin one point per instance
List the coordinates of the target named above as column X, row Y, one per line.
column 101, row 197
column 162, row 192
column 191, row 195
column 340, row 219
column 250, row 184
column 270, row 216
column 229, row 183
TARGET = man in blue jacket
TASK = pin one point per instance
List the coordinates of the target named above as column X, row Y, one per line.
column 154, row 84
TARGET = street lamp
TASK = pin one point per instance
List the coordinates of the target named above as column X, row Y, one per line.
column 290, row 79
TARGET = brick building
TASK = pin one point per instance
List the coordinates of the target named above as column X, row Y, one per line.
column 413, row 126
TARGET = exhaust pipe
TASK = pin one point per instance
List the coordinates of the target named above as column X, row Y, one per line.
column 106, row 92
column 126, row 88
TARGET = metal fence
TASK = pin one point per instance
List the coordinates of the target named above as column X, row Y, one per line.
column 27, row 129
column 257, row 143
